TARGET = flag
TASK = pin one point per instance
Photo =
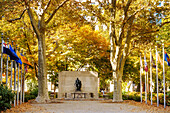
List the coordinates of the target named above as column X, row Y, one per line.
column 19, row 61
column 25, row 61
column 14, row 57
column 146, row 67
column 160, row 60
column 5, row 48
column 8, row 51
column 167, row 59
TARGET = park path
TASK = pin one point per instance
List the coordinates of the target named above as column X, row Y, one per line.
column 65, row 106
column 86, row 107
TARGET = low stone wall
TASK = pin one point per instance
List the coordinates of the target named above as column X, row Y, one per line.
column 67, row 88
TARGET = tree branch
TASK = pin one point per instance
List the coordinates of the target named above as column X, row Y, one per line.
column 164, row 24
column 19, row 17
column 127, row 43
column 46, row 7
column 136, row 13
column 56, row 11
column 123, row 23
column 33, row 23
column 127, row 7
column 112, row 23
column 32, row 19
column 114, row 8
column 157, row 30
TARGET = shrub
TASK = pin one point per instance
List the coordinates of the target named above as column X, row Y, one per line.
column 136, row 97
column 6, row 96
column 168, row 98
column 124, row 96
column 32, row 94
column 110, row 95
column 100, row 95
column 27, row 97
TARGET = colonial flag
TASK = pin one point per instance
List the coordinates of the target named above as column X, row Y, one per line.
column 13, row 58
column 5, row 48
column 160, row 60
column 19, row 61
column 167, row 59
column 25, row 61
column 7, row 51
column 146, row 67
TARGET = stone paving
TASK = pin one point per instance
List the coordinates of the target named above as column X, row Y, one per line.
column 86, row 107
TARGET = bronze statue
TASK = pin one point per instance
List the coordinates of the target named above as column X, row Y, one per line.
column 78, row 85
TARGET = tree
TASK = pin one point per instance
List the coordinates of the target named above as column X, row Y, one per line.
column 88, row 47
column 40, row 14
column 130, row 25
column 134, row 23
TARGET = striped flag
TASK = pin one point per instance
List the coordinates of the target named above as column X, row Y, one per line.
column 160, row 60
column 167, row 59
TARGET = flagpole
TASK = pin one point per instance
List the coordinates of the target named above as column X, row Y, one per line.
column 24, row 83
column 21, row 83
column 7, row 65
column 11, row 75
column 15, row 79
column 140, row 77
column 147, row 89
column 164, row 76
column 1, row 57
column 145, row 81
column 11, row 70
column 151, row 74
column 18, row 81
column 157, row 76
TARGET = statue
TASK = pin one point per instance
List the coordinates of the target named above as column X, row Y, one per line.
column 78, row 85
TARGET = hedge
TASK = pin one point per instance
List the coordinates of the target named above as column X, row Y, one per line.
column 136, row 96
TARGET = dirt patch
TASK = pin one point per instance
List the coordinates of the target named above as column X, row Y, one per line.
column 150, row 108
column 22, row 108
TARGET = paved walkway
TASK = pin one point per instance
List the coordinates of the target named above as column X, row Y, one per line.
column 86, row 107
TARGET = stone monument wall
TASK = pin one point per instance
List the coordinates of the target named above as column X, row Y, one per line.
column 67, row 87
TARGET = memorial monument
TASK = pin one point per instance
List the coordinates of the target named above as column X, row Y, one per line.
column 78, row 84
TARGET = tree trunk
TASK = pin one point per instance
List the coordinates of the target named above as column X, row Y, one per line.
column 54, row 91
column 117, row 93
column 42, row 75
